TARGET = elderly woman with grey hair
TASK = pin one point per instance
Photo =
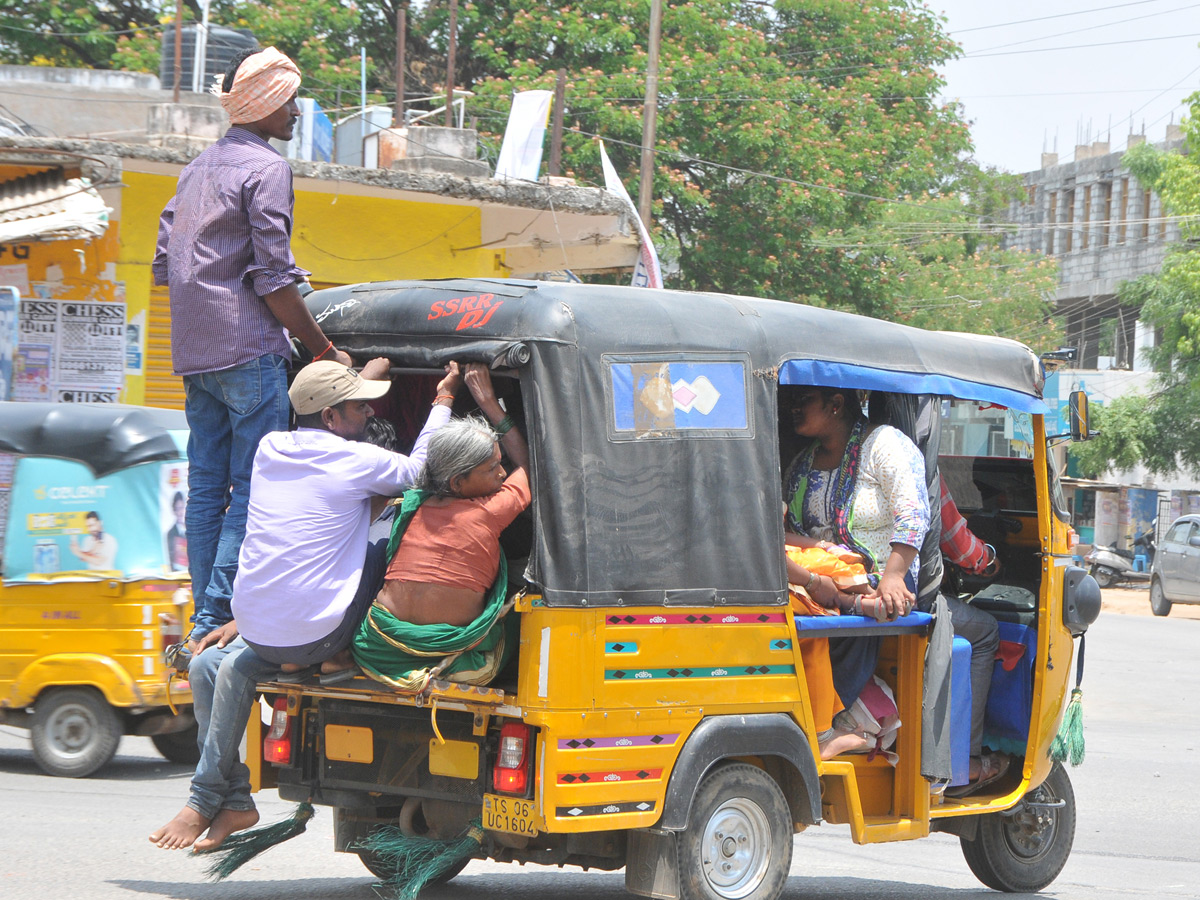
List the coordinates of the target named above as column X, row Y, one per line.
column 447, row 577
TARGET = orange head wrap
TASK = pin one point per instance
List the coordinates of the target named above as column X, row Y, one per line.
column 264, row 82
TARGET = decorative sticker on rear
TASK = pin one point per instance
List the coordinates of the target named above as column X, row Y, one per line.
column 473, row 310
column 635, row 740
column 611, row 776
column 662, row 398
column 716, row 618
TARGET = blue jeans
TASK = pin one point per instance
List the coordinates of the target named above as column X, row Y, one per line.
column 224, row 688
column 228, row 413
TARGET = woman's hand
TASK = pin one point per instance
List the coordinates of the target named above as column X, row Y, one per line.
column 479, row 383
column 377, row 369
column 895, row 596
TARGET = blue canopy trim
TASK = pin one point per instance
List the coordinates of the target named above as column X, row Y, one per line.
column 818, row 372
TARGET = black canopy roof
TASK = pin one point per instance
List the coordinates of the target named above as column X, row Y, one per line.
column 654, row 515
column 413, row 322
column 103, row 436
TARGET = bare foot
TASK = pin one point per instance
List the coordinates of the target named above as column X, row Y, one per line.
column 339, row 662
column 291, row 667
column 181, row 831
column 225, row 823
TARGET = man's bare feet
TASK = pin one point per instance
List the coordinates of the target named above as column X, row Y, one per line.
column 339, row 662
column 181, row 831
column 225, row 823
column 291, row 667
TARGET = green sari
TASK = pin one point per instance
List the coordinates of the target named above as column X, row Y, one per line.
column 405, row 655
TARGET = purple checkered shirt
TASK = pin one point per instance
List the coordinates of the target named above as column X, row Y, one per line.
column 224, row 242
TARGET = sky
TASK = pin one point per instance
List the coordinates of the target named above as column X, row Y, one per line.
column 1017, row 100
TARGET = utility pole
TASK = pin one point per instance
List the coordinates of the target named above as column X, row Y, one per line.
column 401, row 41
column 178, row 46
column 650, row 115
column 450, row 64
column 556, row 128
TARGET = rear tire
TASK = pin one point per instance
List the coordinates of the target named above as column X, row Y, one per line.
column 1104, row 577
column 1022, row 851
column 1159, row 604
column 383, row 871
column 178, row 746
column 74, row 732
column 738, row 841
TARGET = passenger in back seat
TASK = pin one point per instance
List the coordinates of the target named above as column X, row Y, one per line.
column 862, row 487
column 447, row 579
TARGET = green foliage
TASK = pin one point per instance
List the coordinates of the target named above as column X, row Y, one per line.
column 1123, row 440
column 782, row 130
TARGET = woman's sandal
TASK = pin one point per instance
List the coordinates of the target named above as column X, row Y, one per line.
column 992, row 767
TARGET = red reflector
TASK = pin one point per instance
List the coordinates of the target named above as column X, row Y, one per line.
column 510, row 775
column 277, row 747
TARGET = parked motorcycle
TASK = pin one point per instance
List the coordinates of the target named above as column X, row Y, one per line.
column 1110, row 566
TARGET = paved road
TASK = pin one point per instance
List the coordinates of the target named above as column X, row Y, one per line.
column 62, row 839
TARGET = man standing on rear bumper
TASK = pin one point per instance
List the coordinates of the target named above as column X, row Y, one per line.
column 224, row 250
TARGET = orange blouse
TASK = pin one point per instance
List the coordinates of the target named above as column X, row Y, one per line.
column 457, row 543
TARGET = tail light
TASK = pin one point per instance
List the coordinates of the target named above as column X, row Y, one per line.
column 277, row 746
column 510, row 775
column 170, row 625
column 170, row 630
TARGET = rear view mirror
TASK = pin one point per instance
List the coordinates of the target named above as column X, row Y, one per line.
column 1078, row 402
column 1194, row 540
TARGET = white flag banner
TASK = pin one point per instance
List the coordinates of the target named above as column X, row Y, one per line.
column 646, row 273
column 521, row 149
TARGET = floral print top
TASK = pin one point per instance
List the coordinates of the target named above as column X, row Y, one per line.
column 889, row 503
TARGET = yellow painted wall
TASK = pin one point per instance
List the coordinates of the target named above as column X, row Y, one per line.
column 341, row 238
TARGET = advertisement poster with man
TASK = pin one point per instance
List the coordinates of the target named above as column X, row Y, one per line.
column 64, row 524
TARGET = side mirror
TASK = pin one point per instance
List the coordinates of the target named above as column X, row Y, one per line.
column 1079, row 416
column 1194, row 540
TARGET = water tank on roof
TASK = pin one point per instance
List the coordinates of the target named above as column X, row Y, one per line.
column 222, row 45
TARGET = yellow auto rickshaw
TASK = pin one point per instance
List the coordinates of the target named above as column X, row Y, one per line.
column 658, row 716
column 94, row 584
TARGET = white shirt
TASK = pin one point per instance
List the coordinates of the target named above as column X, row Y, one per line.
column 105, row 550
column 306, row 529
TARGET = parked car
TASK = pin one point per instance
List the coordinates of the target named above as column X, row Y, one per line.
column 1175, row 572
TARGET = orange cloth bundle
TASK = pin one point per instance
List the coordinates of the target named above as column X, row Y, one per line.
column 844, row 566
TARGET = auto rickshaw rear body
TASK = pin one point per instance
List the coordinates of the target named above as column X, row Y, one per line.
column 658, row 715
column 89, row 598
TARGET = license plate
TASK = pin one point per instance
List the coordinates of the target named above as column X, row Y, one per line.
column 509, row 814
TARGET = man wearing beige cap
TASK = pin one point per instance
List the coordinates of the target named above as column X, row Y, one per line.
column 306, row 575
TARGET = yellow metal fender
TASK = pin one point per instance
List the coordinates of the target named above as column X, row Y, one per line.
column 70, row 669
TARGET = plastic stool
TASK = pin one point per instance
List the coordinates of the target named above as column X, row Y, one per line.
column 1140, row 562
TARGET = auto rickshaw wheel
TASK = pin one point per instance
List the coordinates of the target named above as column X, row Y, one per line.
column 738, row 841
column 413, row 818
column 178, row 746
column 1023, row 849
column 74, row 732
column 383, row 871
column 1159, row 604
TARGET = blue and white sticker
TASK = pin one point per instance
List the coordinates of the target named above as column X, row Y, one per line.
column 679, row 396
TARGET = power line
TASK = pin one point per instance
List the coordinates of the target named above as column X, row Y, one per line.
column 97, row 32
column 1079, row 12
column 1047, row 37
column 1165, row 37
